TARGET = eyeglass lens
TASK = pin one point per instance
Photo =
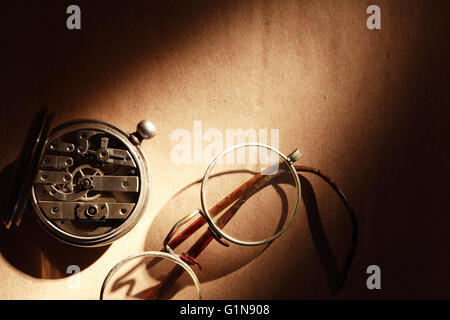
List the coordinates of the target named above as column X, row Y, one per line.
column 269, row 206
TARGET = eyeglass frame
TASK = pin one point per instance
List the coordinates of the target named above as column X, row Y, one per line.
column 215, row 231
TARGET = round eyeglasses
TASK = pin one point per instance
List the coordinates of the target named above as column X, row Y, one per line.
column 256, row 190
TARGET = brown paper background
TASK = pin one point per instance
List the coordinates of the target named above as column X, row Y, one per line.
column 368, row 107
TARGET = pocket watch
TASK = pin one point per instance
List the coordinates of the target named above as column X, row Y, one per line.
column 88, row 181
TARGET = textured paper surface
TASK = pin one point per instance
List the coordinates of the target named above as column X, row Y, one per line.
column 369, row 107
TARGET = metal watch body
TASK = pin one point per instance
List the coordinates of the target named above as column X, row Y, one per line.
column 92, row 183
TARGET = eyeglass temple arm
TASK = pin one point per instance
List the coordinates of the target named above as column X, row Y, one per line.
column 201, row 243
column 195, row 250
column 198, row 223
column 351, row 215
column 209, row 235
column 224, row 203
column 205, row 239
